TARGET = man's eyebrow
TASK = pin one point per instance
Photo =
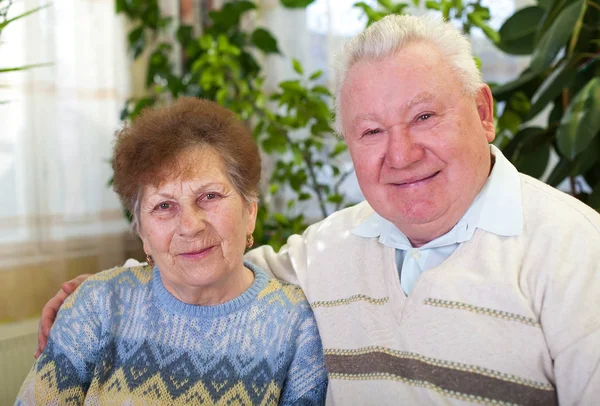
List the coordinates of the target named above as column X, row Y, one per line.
column 361, row 117
column 422, row 97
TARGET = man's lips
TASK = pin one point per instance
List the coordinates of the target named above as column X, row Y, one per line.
column 197, row 254
column 415, row 180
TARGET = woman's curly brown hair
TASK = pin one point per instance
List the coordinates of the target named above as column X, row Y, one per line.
column 146, row 152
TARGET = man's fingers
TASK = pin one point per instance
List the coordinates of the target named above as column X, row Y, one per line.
column 70, row 286
column 48, row 315
column 51, row 309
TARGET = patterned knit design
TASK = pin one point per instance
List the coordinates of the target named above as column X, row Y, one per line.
column 123, row 339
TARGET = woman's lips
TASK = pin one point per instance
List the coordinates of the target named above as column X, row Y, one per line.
column 198, row 254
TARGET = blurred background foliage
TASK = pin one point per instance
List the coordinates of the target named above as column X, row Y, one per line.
column 4, row 22
column 293, row 125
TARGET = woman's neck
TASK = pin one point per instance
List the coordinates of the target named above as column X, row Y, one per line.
column 225, row 290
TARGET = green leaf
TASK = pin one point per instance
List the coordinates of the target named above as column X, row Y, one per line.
column 321, row 90
column 293, row 86
column 581, row 122
column 22, row 15
column 560, row 172
column 304, row 196
column 387, row 5
column 136, row 41
column 556, row 37
column 185, row 35
column 546, row 4
column 587, row 159
column 280, row 218
column 229, row 16
column 477, row 19
column 275, row 143
column 592, row 177
column 335, row 198
column 534, row 163
column 297, row 180
column 521, row 24
column 316, row 75
column 510, row 120
column 296, row 3
column 339, row 148
column 297, row 66
column 517, row 34
column 501, row 92
column 264, row 40
column 594, row 199
column 24, row 67
column 522, row 139
column 371, row 14
column 519, row 103
column 560, row 78
column 433, row 5
column 398, row 8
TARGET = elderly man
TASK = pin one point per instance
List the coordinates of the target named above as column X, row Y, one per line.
column 459, row 280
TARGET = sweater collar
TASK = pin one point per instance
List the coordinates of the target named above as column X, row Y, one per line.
column 175, row 305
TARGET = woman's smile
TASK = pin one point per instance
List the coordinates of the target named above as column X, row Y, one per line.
column 196, row 255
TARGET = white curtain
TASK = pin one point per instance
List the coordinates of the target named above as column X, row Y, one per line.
column 56, row 133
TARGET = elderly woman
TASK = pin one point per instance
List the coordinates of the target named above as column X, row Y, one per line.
column 197, row 325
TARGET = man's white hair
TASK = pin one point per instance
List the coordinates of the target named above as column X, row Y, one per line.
column 394, row 32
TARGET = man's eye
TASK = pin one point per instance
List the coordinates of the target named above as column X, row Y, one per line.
column 372, row 132
column 424, row 117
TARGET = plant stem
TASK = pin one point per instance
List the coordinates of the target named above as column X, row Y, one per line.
column 577, row 30
column 596, row 6
column 336, row 187
column 566, row 101
column 313, row 179
column 573, row 188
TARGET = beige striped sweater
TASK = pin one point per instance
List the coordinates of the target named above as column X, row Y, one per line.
column 504, row 320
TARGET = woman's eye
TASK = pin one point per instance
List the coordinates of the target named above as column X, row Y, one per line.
column 209, row 196
column 164, row 206
column 424, row 117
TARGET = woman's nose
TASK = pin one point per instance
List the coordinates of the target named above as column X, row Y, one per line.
column 191, row 221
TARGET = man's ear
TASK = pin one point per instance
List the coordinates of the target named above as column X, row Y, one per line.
column 485, row 109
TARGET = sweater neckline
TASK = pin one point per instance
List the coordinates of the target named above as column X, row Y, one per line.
column 171, row 303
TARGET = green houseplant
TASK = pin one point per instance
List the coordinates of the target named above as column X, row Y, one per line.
column 562, row 79
column 291, row 125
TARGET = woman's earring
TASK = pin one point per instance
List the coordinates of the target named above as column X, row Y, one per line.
column 249, row 241
column 149, row 260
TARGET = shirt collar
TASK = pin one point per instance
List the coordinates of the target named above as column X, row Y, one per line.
column 497, row 208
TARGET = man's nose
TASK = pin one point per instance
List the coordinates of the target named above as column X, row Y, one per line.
column 401, row 149
column 192, row 220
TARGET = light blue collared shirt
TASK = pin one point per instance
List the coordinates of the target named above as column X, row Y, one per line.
column 496, row 209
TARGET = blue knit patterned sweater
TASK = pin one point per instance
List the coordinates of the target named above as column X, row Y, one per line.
column 123, row 338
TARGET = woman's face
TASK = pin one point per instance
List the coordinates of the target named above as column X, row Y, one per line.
column 195, row 225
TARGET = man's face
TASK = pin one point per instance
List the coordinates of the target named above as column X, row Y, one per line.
column 419, row 145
